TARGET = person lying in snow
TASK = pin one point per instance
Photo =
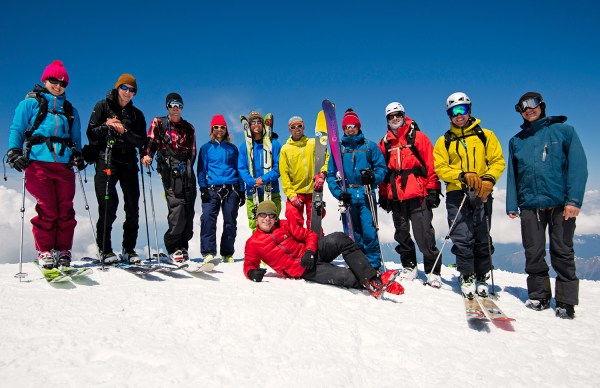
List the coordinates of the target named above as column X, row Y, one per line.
column 296, row 252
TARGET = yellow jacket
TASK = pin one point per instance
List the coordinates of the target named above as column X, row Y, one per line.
column 467, row 153
column 297, row 166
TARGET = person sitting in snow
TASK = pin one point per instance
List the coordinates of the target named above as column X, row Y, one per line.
column 296, row 252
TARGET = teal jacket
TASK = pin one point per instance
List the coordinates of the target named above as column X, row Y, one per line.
column 547, row 166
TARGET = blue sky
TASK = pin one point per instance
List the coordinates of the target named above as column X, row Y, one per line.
column 235, row 56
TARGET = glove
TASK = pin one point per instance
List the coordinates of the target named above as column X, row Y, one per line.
column 78, row 160
column 367, row 176
column 308, row 260
column 242, row 197
column 319, row 181
column 485, row 190
column 297, row 202
column 204, row 195
column 471, row 179
column 16, row 159
column 433, row 198
column 385, row 204
column 346, row 199
column 256, row 275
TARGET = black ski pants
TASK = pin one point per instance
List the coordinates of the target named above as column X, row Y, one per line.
column 562, row 255
column 330, row 247
column 416, row 213
column 180, row 193
column 470, row 234
column 126, row 174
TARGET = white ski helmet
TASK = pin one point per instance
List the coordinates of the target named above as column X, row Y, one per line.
column 457, row 99
column 394, row 107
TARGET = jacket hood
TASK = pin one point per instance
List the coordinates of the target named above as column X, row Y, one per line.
column 298, row 143
column 544, row 122
column 473, row 122
column 353, row 141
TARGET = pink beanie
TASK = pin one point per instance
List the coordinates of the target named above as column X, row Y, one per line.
column 56, row 70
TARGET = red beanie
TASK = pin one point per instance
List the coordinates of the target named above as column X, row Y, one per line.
column 217, row 120
column 55, row 70
column 350, row 117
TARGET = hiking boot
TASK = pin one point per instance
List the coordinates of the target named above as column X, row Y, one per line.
column 64, row 258
column 227, row 259
column 565, row 311
column 208, row 258
column 435, row 281
column 374, row 286
column 388, row 278
column 408, row 273
column 467, row 285
column 130, row 257
column 537, row 304
column 186, row 255
column 177, row 256
column 45, row 259
column 110, row 258
column 481, row 286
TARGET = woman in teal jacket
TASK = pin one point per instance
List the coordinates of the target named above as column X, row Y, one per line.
column 547, row 173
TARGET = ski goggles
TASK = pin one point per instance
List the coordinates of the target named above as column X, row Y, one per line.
column 55, row 81
column 350, row 126
column 126, row 88
column 461, row 109
column 219, row 127
column 267, row 215
column 530, row 103
column 175, row 104
column 297, row 126
column 255, row 122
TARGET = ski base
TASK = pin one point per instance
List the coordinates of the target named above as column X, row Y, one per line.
column 473, row 310
column 492, row 311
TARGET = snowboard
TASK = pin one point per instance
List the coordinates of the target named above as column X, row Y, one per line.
column 320, row 156
column 336, row 154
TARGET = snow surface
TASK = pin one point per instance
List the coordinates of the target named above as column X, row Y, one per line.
column 222, row 330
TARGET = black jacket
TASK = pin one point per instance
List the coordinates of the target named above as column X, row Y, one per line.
column 126, row 145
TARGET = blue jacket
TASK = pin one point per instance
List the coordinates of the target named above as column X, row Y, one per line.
column 217, row 165
column 55, row 124
column 271, row 177
column 357, row 153
column 547, row 166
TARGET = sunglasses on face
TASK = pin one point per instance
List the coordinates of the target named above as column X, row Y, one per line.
column 54, row 81
column 255, row 122
column 267, row 215
column 219, row 127
column 127, row 88
column 298, row 126
column 350, row 126
column 461, row 109
column 175, row 104
column 530, row 103
column 393, row 116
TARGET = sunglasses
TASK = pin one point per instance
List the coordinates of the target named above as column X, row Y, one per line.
column 350, row 126
column 267, row 215
column 530, row 103
column 255, row 122
column 461, row 109
column 126, row 88
column 175, row 104
column 299, row 126
column 392, row 116
column 54, row 81
column 219, row 127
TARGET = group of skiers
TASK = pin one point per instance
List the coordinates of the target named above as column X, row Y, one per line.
column 547, row 173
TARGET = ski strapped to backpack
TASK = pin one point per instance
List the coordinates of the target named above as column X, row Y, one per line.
column 43, row 111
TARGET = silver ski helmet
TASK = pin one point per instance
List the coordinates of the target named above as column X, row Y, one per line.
column 393, row 107
column 457, row 99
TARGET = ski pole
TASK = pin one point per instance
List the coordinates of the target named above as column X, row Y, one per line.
column 145, row 210
column 87, row 207
column 22, row 274
column 446, row 238
column 369, row 195
column 153, row 214
column 489, row 238
column 107, row 170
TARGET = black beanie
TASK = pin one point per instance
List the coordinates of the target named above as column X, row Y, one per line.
column 534, row 95
column 173, row 97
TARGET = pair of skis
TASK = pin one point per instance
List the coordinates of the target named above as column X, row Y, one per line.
column 62, row 274
column 485, row 309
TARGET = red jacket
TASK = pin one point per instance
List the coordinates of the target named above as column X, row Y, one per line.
column 399, row 157
column 281, row 249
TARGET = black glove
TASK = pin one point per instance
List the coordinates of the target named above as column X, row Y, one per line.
column 78, row 160
column 308, row 260
column 242, row 197
column 367, row 176
column 433, row 198
column 385, row 204
column 16, row 159
column 346, row 199
column 257, row 275
column 204, row 195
